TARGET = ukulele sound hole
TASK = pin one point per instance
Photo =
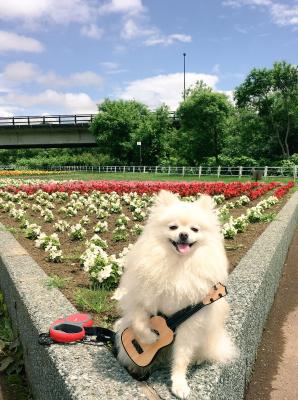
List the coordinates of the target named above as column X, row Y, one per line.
column 137, row 346
column 155, row 331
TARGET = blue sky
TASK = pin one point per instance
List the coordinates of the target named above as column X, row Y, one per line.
column 66, row 56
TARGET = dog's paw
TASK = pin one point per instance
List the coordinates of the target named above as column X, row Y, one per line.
column 148, row 337
column 180, row 388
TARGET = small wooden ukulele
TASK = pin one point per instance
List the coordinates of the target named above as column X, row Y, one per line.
column 143, row 354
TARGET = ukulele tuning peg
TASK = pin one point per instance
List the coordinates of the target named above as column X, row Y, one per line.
column 215, row 287
column 212, row 300
column 220, row 294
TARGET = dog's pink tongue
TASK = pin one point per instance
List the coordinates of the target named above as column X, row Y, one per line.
column 183, row 248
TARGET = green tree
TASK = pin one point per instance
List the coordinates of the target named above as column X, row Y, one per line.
column 272, row 94
column 154, row 132
column 203, row 117
column 115, row 127
column 246, row 136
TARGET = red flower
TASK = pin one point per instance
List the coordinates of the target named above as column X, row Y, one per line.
column 229, row 190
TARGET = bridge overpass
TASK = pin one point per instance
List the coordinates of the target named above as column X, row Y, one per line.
column 49, row 131
column 46, row 131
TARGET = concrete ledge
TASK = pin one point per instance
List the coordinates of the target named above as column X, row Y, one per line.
column 80, row 372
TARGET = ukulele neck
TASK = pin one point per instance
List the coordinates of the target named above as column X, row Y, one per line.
column 217, row 292
column 181, row 316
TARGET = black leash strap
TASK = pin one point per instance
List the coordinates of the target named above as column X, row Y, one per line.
column 103, row 335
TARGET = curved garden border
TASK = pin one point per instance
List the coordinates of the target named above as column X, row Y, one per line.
column 78, row 372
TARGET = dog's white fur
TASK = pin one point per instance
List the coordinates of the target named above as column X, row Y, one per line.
column 158, row 278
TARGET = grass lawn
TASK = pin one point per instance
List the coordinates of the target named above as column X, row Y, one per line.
column 138, row 176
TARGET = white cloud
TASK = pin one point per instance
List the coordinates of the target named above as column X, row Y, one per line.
column 239, row 3
column 53, row 10
column 241, row 29
column 23, row 9
column 50, row 99
column 131, row 30
column 93, row 31
column 8, row 111
column 10, row 41
column 131, row 7
column 110, row 65
column 229, row 94
column 86, row 78
column 21, row 72
column 281, row 14
column 168, row 40
column 160, row 89
column 117, row 71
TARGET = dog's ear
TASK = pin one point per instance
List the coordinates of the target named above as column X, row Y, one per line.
column 206, row 202
column 165, row 198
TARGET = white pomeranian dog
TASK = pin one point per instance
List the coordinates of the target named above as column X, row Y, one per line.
column 175, row 262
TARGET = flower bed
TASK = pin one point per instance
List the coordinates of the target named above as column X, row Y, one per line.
column 80, row 231
column 26, row 172
column 229, row 190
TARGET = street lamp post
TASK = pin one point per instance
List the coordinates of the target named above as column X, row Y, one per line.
column 184, row 55
column 140, row 146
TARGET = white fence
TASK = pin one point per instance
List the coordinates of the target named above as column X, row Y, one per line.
column 197, row 171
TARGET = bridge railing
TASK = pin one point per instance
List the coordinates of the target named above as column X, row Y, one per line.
column 30, row 120
column 74, row 119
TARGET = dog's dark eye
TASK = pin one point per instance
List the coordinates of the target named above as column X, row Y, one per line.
column 194, row 229
column 173, row 227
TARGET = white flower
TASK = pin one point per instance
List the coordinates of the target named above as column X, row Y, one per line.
column 101, row 226
column 228, row 230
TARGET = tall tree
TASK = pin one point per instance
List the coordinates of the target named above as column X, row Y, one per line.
column 153, row 133
column 273, row 95
column 115, row 127
column 246, row 136
column 203, row 116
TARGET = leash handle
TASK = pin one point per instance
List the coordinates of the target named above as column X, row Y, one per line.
column 70, row 328
column 76, row 328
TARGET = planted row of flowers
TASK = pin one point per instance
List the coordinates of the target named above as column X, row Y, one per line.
column 253, row 215
column 229, row 190
column 283, row 190
column 26, row 172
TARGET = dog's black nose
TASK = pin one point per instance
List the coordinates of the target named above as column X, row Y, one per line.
column 183, row 236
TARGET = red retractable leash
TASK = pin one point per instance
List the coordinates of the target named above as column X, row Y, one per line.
column 76, row 328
